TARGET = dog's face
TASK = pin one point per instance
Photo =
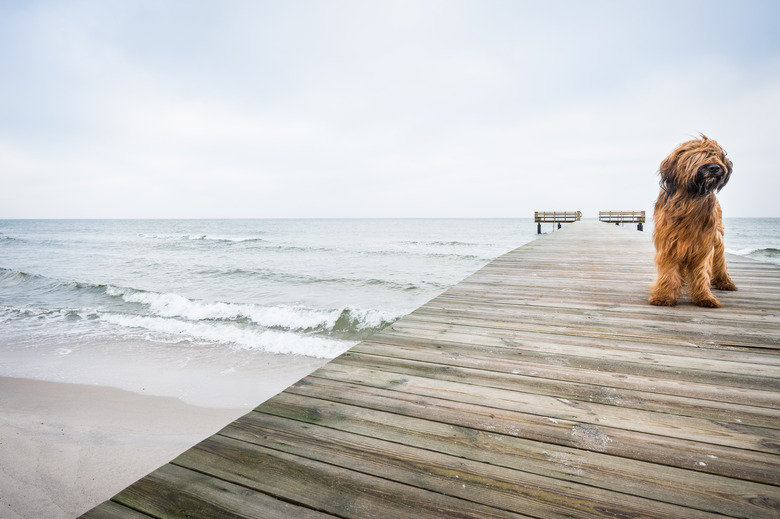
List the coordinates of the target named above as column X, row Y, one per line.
column 696, row 169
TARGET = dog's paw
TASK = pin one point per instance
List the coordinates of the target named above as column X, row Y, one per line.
column 708, row 302
column 724, row 284
column 662, row 301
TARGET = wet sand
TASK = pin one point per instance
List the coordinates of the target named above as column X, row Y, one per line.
column 65, row 448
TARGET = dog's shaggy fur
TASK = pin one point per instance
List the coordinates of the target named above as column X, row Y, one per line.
column 688, row 231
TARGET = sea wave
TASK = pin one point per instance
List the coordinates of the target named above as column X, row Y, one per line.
column 46, row 315
column 439, row 243
column 349, row 322
column 770, row 251
column 29, row 283
column 39, row 282
column 421, row 249
column 768, row 254
column 59, row 323
column 72, row 300
column 434, row 254
column 308, row 279
column 163, row 329
column 10, row 275
column 178, row 331
column 43, row 282
column 200, row 237
column 457, row 250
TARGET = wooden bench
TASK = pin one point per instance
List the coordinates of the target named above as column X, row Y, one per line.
column 554, row 217
column 618, row 217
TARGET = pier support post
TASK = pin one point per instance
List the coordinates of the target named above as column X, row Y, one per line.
column 539, row 228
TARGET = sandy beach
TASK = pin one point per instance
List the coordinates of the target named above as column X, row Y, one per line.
column 64, row 448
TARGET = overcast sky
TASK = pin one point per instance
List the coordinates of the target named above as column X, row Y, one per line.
column 209, row 109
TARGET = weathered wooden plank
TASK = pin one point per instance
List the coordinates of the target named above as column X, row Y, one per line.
column 707, row 457
column 384, row 371
column 622, row 340
column 555, row 292
column 111, row 510
column 630, row 335
column 652, row 481
column 689, row 314
column 498, row 362
column 322, row 486
column 732, row 434
column 611, row 361
column 658, row 334
column 554, row 273
column 698, row 324
column 173, row 491
column 495, row 486
column 604, row 287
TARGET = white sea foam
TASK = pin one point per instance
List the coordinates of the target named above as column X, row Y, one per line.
column 767, row 254
column 287, row 317
column 44, row 316
column 740, row 252
column 291, row 317
column 199, row 237
column 242, row 337
column 234, row 239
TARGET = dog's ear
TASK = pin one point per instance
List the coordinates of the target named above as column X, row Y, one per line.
column 668, row 172
column 727, row 176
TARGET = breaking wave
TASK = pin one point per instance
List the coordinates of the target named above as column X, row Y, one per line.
column 349, row 322
column 174, row 318
column 241, row 337
column 769, row 254
column 307, row 279
column 201, row 237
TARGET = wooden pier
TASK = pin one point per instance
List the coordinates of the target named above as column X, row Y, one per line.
column 544, row 385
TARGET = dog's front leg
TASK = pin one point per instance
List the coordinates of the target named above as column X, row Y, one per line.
column 720, row 276
column 667, row 287
column 701, row 279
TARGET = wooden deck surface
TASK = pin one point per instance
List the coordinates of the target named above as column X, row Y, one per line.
column 544, row 385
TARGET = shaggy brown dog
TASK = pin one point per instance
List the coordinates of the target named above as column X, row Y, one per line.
column 688, row 231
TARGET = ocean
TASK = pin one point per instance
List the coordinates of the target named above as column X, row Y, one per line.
column 130, row 303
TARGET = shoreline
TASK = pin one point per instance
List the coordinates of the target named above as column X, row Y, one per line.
column 198, row 375
column 65, row 448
